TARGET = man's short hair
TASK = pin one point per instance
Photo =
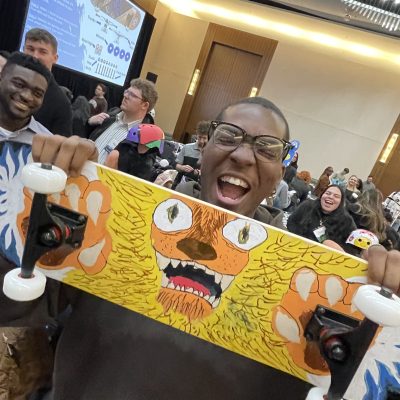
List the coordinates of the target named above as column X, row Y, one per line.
column 41, row 35
column 103, row 87
column 27, row 61
column 203, row 127
column 148, row 89
column 263, row 102
column 346, row 170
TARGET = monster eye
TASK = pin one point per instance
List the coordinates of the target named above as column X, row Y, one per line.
column 172, row 215
column 244, row 234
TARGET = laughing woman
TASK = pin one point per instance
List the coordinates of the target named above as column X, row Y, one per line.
column 324, row 219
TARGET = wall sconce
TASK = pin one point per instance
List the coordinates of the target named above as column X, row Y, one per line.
column 193, row 82
column 253, row 92
column 389, row 147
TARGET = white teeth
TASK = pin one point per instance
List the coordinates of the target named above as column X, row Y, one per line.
column 218, row 278
column 196, row 265
column 164, row 280
column 174, row 263
column 183, row 263
column 207, row 297
column 196, row 293
column 211, row 299
column 162, row 261
column 190, row 290
column 170, row 285
column 234, row 181
column 226, row 281
column 215, row 304
column 177, row 287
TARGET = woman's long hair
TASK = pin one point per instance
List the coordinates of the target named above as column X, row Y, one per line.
column 338, row 223
column 370, row 211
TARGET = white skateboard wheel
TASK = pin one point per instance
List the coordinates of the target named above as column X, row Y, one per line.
column 23, row 289
column 382, row 310
column 316, row 393
column 43, row 180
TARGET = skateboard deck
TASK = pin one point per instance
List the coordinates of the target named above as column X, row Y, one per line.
column 219, row 276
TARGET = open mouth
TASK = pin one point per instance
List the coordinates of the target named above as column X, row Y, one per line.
column 232, row 188
column 192, row 277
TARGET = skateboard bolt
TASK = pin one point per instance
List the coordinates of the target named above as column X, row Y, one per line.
column 46, row 166
column 338, row 353
column 321, row 311
column 49, row 237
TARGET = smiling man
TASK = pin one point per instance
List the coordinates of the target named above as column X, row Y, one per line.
column 242, row 161
column 23, row 84
column 56, row 112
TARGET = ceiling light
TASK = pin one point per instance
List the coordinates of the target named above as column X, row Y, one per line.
column 386, row 13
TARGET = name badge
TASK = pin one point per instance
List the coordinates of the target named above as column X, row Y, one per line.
column 320, row 234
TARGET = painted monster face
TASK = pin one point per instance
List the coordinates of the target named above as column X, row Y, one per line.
column 199, row 251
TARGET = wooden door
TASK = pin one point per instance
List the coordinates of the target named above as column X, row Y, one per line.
column 229, row 75
column 387, row 174
column 231, row 62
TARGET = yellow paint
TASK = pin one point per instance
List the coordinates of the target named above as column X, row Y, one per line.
column 243, row 321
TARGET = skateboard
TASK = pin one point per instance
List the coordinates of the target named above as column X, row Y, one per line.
column 258, row 291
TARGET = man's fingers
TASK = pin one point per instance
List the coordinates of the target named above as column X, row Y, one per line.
column 391, row 279
column 45, row 148
column 376, row 264
column 384, row 268
column 112, row 160
column 73, row 154
column 69, row 154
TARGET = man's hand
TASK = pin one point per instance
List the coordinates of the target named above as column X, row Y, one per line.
column 69, row 154
column 112, row 160
column 186, row 168
column 98, row 119
column 383, row 267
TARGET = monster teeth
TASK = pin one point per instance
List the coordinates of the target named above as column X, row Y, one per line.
column 162, row 261
column 183, row 263
column 170, row 285
column 218, row 278
column 199, row 266
column 164, row 280
column 211, row 299
column 174, row 263
column 190, row 290
column 226, row 281
column 216, row 302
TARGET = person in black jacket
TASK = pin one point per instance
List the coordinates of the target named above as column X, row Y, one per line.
column 112, row 129
column 109, row 352
column 324, row 219
column 55, row 113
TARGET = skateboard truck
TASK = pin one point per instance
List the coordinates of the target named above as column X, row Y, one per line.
column 343, row 341
column 50, row 227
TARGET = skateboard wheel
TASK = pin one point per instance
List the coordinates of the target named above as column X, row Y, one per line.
column 44, row 178
column 316, row 393
column 23, row 289
column 376, row 307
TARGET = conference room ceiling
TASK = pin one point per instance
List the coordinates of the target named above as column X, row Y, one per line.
column 331, row 10
column 298, row 27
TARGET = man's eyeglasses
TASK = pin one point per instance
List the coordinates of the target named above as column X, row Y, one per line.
column 266, row 148
column 132, row 95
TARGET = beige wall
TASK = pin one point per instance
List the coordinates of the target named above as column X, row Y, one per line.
column 341, row 111
column 172, row 55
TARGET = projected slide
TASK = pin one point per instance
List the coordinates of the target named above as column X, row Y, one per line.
column 96, row 37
